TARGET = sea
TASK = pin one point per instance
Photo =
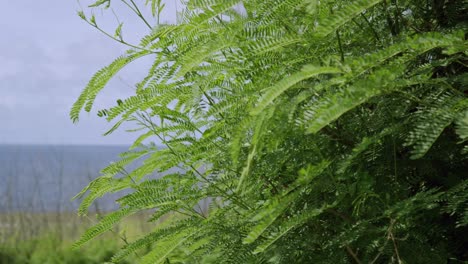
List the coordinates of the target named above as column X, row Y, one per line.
column 44, row 178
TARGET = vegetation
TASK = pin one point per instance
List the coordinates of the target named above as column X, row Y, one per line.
column 51, row 249
column 37, row 238
column 319, row 131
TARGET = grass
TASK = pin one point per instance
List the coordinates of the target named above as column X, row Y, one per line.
column 47, row 238
column 50, row 249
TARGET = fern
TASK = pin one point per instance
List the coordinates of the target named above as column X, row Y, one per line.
column 462, row 125
column 99, row 80
column 333, row 22
column 104, row 225
column 286, row 227
column 169, row 244
column 425, row 133
column 307, row 72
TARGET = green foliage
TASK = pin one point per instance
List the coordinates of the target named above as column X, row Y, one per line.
column 318, row 131
column 51, row 249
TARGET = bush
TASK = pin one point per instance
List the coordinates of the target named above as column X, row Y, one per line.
column 321, row 132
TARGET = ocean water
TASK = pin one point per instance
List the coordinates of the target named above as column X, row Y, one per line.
column 44, row 178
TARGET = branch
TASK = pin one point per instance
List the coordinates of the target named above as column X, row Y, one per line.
column 395, row 247
column 389, row 237
column 339, row 45
column 351, row 252
column 116, row 39
column 137, row 11
column 372, row 28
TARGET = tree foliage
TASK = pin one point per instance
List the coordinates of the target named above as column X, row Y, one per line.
column 319, row 131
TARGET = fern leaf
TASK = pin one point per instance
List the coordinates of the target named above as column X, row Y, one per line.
column 166, row 246
column 101, row 187
column 328, row 109
column 214, row 10
column 431, row 122
column 97, row 83
column 138, row 142
column 99, row 3
column 462, row 125
column 262, row 46
column 126, row 158
column 254, row 146
column 362, row 147
column 331, row 23
column 103, row 226
column 268, row 215
column 284, row 228
column 273, row 92
column 151, row 238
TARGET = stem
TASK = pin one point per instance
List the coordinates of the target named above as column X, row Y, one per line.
column 371, row 28
column 351, row 252
column 125, row 172
column 389, row 230
column 394, row 158
column 395, row 247
column 137, row 11
column 390, row 21
column 397, row 14
column 339, row 39
column 118, row 40
column 339, row 45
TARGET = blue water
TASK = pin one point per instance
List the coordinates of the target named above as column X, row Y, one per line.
column 44, row 178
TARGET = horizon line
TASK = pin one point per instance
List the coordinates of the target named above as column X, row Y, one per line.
column 64, row 144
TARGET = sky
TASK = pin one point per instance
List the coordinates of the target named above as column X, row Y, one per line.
column 47, row 56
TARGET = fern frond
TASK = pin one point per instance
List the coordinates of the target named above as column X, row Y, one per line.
column 270, row 212
column 99, row 80
column 212, row 9
column 126, row 158
column 273, row 92
column 151, row 238
column 462, row 125
column 431, row 122
column 268, row 215
column 167, row 245
column 331, row 23
column 294, row 222
column 104, row 225
column 138, row 142
column 103, row 185
column 328, row 109
column 362, row 147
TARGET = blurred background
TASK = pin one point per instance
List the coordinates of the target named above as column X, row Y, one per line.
column 47, row 56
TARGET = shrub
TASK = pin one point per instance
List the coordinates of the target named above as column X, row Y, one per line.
column 321, row 132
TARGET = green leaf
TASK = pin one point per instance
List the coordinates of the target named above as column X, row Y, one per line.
column 92, row 20
column 103, row 226
column 462, row 125
column 160, row 253
column 271, row 93
column 118, row 31
column 101, row 2
column 97, row 83
column 284, row 228
column 332, row 22
column 82, row 15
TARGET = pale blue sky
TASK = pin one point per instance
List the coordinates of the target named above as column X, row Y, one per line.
column 47, row 55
